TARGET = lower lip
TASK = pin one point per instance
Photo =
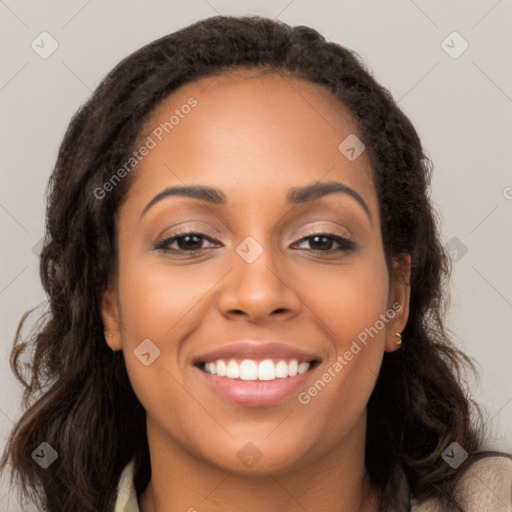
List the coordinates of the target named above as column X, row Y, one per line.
column 256, row 393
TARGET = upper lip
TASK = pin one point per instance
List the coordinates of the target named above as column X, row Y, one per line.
column 251, row 349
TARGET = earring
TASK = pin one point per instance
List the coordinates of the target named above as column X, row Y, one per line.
column 399, row 340
column 109, row 334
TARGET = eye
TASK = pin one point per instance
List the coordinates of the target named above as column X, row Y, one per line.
column 323, row 242
column 191, row 242
column 186, row 241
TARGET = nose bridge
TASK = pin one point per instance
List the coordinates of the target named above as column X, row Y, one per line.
column 256, row 263
column 258, row 228
column 258, row 285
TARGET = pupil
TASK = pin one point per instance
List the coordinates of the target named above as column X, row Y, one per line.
column 317, row 237
column 187, row 238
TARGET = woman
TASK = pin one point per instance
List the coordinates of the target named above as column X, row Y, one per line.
column 245, row 282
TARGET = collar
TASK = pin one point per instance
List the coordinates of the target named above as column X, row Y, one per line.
column 126, row 494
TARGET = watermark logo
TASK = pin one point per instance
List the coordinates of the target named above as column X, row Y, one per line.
column 249, row 250
column 249, row 455
column 38, row 247
column 351, row 147
column 45, row 455
column 456, row 249
column 454, row 455
column 44, row 45
column 147, row 352
column 454, row 45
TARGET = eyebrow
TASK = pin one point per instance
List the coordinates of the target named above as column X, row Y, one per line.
column 296, row 195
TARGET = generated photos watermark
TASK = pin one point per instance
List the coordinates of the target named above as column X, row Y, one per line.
column 151, row 142
column 304, row 397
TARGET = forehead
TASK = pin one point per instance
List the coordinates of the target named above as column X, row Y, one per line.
column 247, row 97
column 248, row 129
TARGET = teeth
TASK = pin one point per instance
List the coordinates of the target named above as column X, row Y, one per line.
column 281, row 369
column 248, row 370
column 221, row 368
column 266, row 370
column 232, row 370
column 254, row 370
column 210, row 368
column 303, row 368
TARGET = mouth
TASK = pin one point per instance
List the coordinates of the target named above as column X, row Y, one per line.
column 256, row 374
column 269, row 369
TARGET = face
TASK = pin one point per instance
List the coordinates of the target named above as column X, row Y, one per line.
column 253, row 318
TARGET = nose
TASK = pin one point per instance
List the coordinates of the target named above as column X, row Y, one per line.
column 259, row 291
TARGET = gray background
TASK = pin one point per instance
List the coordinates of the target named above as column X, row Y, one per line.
column 461, row 108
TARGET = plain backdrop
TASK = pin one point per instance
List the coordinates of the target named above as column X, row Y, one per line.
column 459, row 101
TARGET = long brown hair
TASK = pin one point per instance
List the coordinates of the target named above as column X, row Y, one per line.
column 77, row 393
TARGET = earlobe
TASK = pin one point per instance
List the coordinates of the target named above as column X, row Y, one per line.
column 110, row 317
column 399, row 301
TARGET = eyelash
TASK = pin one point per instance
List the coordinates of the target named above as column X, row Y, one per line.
column 346, row 245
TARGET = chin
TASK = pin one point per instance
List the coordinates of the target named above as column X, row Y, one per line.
column 257, row 457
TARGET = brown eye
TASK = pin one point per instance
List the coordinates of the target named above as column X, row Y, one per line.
column 190, row 242
column 323, row 242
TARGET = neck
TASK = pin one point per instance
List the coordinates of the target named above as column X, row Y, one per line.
column 334, row 482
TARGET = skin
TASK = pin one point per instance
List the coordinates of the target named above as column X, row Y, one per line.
column 254, row 137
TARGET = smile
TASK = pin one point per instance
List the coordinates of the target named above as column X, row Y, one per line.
column 256, row 373
column 256, row 370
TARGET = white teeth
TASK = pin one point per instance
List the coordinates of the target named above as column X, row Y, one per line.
column 293, row 365
column 281, row 370
column 303, row 368
column 210, row 368
column 221, row 368
column 248, row 370
column 233, row 370
column 266, row 370
column 252, row 370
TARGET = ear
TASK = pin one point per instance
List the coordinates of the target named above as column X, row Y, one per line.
column 110, row 317
column 399, row 295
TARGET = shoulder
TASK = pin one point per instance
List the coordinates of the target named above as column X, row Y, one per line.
column 486, row 485
column 126, row 495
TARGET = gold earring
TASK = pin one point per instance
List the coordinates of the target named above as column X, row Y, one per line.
column 399, row 340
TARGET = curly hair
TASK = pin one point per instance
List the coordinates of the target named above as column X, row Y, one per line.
column 77, row 393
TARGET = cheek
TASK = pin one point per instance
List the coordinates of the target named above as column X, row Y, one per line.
column 157, row 299
column 160, row 303
column 350, row 302
column 156, row 306
column 347, row 298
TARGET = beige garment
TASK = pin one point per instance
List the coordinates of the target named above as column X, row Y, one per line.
column 126, row 495
column 486, row 487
